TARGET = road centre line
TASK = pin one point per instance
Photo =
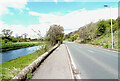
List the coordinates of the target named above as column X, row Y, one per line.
column 100, row 63
column 91, row 51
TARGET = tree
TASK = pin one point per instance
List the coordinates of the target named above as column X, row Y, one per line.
column 55, row 34
column 92, row 31
column 101, row 27
column 74, row 37
column 67, row 36
column 25, row 36
column 47, row 37
column 7, row 32
column 83, row 34
column 115, row 27
column 38, row 34
column 118, row 21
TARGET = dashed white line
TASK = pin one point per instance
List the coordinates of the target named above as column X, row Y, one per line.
column 91, row 51
column 105, row 51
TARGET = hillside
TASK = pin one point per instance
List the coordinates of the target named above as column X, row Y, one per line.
column 98, row 33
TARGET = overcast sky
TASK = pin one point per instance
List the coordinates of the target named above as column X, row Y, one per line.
column 22, row 16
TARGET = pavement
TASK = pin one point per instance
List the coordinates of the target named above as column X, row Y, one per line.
column 92, row 62
column 56, row 66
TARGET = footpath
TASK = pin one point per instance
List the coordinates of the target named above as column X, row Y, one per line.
column 56, row 66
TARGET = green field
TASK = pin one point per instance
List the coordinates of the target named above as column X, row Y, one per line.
column 12, row 46
column 10, row 68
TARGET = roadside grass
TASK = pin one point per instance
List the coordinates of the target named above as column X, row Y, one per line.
column 12, row 46
column 29, row 75
column 12, row 67
column 105, row 41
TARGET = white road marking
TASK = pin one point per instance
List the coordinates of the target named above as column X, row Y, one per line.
column 71, row 58
column 74, row 66
column 105, row 51
column 101, row 64
column 91, row 51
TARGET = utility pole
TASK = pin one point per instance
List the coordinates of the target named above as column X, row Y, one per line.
column 111, row 27
column 111, row 24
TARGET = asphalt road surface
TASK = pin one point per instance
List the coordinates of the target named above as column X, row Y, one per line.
column 93, row 62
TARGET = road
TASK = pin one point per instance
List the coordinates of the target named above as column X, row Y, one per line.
column 93, row 62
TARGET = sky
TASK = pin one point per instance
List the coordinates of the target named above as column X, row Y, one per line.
column 25, row 16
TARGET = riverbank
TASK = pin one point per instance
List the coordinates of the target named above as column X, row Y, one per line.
column 10, row 68
column 12, row 46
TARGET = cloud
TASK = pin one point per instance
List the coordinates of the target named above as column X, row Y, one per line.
column 82, row 10
column 71, row 21
column 17, row 4
column 21, row 29
column 55, row 1
column 28, row 9
column 34, row 13
column 77, row 18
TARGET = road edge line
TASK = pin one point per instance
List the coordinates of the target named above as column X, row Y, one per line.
column 69, row 60
column 72, row 64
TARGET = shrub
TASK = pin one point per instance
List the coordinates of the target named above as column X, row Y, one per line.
column 105, row 46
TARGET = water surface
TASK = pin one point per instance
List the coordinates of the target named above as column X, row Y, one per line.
column 12, row 54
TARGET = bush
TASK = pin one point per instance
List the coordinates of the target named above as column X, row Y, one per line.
column 6, row 40
column 74, row 37
column 14, row 40
column 105, row 46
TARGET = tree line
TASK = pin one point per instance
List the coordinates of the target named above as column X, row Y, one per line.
column 6, row 37
column 92, row 30
column 55, row 35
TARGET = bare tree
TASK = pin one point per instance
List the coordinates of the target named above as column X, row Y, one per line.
column 25, row 36
column 7, row 32
column 83, row 33
column 88, row 32
column 38, row 34
column 93, row 31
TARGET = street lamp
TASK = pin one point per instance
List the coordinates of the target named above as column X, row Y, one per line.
column 111, row 24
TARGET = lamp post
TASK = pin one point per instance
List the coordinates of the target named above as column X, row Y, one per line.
column 111, row 24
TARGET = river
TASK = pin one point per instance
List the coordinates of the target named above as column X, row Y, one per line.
column 12, row 54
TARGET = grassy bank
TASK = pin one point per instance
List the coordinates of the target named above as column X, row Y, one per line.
column 10, row 68
column 12, row 46
column 105, row 41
